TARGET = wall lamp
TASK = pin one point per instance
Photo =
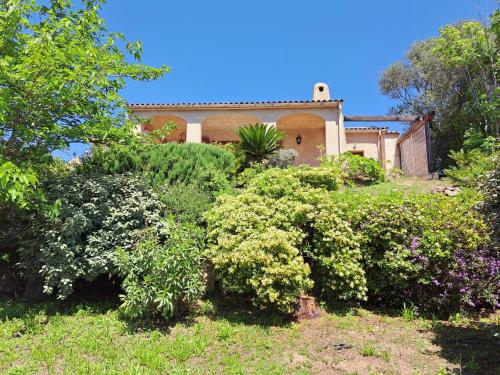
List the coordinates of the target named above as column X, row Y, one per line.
column 298, row 139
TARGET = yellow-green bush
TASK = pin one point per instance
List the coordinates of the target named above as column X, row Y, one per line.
column 265, row 241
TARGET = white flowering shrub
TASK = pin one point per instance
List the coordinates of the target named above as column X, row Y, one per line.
column 98, row 214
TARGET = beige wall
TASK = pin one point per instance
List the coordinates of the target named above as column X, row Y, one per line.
column 365, row 141
column 311, row 128
column 222, row 128
column 320, row 125
column 391, row 150
column 177, row 135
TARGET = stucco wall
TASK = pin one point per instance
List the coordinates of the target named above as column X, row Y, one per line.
column 366, row 142
column 311, row 128
column 391, row 152
column 220, row 124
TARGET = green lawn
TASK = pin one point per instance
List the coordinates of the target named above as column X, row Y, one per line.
column 404, row 184
column 90, row 338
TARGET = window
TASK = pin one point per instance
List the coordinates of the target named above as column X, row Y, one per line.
column 357, row 152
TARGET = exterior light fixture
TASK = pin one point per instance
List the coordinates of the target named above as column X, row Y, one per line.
column 298, row 139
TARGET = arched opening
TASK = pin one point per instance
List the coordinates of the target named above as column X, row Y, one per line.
column 222, row 128
column 305, row 133
column 177, row 135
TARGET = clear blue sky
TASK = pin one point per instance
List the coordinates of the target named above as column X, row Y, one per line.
column 229, row 50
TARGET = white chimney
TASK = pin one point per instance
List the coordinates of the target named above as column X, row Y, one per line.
column 321, row 92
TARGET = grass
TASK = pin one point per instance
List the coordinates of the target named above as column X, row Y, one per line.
column 228, row 337
column 404, row 184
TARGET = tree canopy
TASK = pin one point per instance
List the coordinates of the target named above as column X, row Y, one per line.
column 61, row 72
column 455, row 76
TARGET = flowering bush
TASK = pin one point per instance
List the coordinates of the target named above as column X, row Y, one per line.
column 98, row 214
column 284, row 158
column 430, row 249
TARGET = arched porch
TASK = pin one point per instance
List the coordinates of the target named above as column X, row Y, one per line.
column 222, row 128
column 305, row 133
column 177, row 135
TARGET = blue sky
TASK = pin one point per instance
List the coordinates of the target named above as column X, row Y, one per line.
column 228, row 50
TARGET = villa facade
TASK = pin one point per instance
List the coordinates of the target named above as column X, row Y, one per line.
column 312, row 128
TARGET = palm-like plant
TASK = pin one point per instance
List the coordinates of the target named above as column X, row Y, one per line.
column 259, row 141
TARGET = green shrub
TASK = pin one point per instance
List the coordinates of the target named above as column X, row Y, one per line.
column 490, row 188
column 259, row 141
column 361, row 170
column 163, row 275
column 98, row 214
column 208, row 167
column 265, row 241
column 186, row 203
column 279, row 182
column 283, row 158
column 412, row 246
column 470, row 167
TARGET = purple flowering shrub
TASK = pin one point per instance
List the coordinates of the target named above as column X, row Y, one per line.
column 431, row 250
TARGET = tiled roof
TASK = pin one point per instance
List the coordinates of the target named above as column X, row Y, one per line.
column 385, row 129
column 232, row 103
column 366, row 128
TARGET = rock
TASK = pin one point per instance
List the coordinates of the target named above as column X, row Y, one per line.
column 438, row 189
column 340, row 346
column 450, row 191
column 306, row 308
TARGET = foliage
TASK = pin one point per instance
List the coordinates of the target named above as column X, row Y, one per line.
column 283, row 158
column 162, row 274
column 412, row 245
column 265, row 241
column 161, row 134
column 18, row 186
column 359, row 170
column 98, row 214
column 61, row 73
column 280, row 182
column 490, row 188
column 207, row 167
column 186, row 203
column 259, row 141
column 454, row 76
column 470, row 166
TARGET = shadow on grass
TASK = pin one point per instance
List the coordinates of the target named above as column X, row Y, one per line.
column 473, row 347
column 239, row 310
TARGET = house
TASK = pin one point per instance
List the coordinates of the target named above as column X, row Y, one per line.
column 312, row 127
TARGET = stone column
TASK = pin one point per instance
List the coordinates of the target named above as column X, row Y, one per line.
column 341, row 129
column 331, row 134
column 193, row 132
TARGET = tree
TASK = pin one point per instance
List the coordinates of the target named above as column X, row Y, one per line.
column 455, row 76
column 61, row 72
column 259, row 141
